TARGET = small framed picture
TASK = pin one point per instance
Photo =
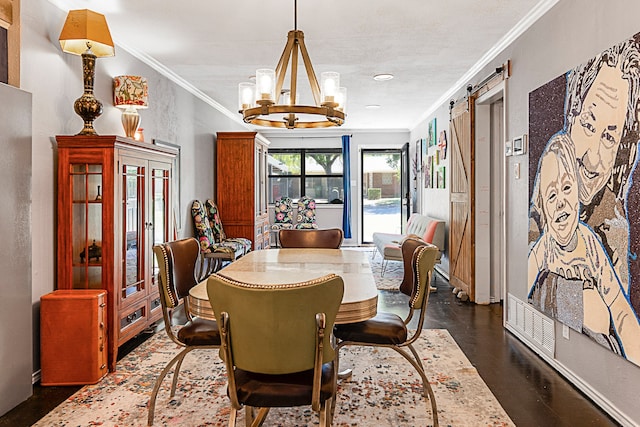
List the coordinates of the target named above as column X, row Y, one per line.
column 508, row 149
column 520, row 145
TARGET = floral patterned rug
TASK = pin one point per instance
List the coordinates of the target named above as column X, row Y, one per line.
column 383, row 391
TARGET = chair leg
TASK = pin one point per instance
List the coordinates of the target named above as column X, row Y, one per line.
column 325, row 415
column 427, row 390
column 258, row 419
column 233, row 416
column 176, row 372
column 415, row 355
column 156, row 387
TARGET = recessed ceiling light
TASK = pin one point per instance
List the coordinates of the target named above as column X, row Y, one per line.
column 382, row 77
column 372, row 106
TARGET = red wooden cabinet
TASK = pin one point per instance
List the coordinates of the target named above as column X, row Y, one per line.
column 73, row 341
column 241, row 181
column 114, row 198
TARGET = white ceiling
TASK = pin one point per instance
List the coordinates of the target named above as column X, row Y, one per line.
column 430, row 46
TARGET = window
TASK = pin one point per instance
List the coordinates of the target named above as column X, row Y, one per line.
column 306, row 172
column 10, row 42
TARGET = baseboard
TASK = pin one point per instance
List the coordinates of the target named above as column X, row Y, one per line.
column 35, row 377
column 597, row 398
column 441, row 272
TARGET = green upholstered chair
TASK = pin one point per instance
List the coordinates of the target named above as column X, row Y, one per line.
column 276, row 343
column 177, row 264
column 390, row 330
column 330, row 238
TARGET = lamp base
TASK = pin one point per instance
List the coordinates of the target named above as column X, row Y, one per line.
column 130, row 121
column 87, row 106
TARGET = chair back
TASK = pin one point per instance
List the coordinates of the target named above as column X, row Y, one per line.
column 306, row 217
column 215, row 221
column 272, row 329
column 177, row 264
column 283, row 210
column 407, row 248
column 330, row 238
column 202, row 227
column 423, row 261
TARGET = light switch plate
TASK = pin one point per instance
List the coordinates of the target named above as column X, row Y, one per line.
column 516, row 170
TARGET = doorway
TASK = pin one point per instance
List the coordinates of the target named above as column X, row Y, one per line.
column 382, row 197
column 490, row 216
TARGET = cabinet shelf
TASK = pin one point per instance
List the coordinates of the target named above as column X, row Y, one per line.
column 91, row 202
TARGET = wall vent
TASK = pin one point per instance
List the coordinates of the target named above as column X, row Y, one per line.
column 532, row 324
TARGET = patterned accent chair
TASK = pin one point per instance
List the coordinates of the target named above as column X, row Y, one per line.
column 306, row 217
column 212, row 253
column 237, row 243
column 283, row 214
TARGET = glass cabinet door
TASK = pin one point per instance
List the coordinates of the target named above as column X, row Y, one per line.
column 133, row 277
column 86, row 225
column 160, row 181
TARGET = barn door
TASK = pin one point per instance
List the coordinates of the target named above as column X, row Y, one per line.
column 461, row 228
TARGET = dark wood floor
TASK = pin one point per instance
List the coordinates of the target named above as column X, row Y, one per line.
column 531, row 392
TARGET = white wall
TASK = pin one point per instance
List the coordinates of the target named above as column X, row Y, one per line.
column 570, row 33
column 434, row 202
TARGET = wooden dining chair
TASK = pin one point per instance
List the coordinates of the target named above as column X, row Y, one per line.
column 177, row 264
column 276, row 344
column 389, row 329
column 330, row 238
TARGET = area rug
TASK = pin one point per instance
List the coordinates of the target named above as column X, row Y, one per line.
column 384, row 390
column 392, row 275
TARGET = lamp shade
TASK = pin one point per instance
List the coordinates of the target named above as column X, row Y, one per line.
column 85, row 29
column 130, row 91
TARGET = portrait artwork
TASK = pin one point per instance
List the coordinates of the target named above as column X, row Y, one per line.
column 584, row 194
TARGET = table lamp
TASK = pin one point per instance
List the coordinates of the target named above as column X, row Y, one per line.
column 130, row 93
column 86, row 33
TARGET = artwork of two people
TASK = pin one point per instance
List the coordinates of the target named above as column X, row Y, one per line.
column 584, row 219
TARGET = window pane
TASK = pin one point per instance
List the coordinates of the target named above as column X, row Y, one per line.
column 323, row 163
column 279, row 187
column 325, row 189
column 285, row 163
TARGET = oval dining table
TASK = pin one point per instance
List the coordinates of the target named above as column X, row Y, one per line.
column 282, row 266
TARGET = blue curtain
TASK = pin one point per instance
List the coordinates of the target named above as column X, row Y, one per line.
column 346, row 209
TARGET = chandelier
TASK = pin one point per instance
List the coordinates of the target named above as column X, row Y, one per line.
column 266, row 103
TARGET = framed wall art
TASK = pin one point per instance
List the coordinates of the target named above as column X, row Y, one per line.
column 175, row 183
column 519, row 145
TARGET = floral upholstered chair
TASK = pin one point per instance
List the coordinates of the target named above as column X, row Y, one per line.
column 237, row 243
column 213, row 253
column 283, row 214
column 306, row 217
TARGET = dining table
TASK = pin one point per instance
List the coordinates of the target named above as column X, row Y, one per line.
column 284, row 266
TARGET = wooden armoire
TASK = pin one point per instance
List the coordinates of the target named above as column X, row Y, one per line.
column 241, row 186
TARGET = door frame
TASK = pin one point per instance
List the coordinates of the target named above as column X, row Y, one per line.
column 363, row 150
column 482, row 126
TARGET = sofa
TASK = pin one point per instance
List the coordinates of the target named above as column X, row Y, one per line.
column 426, row 228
